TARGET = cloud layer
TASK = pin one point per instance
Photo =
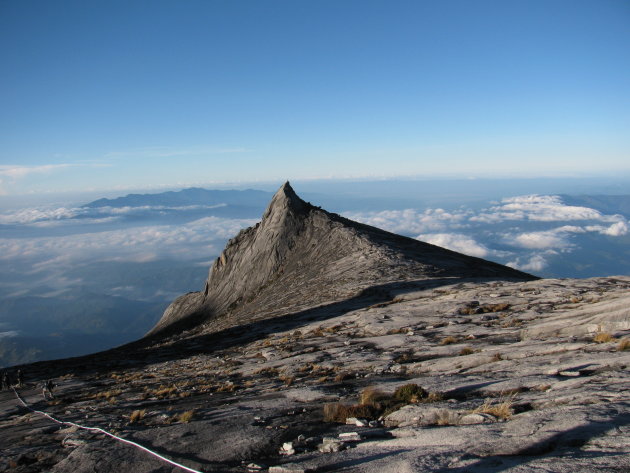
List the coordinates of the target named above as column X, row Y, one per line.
column 525, row 232
column 521, row 231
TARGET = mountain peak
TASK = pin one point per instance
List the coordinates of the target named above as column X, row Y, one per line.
column 300, row 256
column 285, row 199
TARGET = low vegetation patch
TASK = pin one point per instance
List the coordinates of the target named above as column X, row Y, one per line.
column 474, row 308
column 624, row 344
column 449, row 340
column 186, row 417
column 287, row 379
column 342, row 376
column 137, row 415
column 374, row 403
column 603, row 337
column 410, row 393
column 501, row 408
column 339, row 412
column 109, row 394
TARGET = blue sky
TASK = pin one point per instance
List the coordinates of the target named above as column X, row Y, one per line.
column 142, row 94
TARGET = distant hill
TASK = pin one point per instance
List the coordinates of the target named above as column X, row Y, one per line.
column 190, row 196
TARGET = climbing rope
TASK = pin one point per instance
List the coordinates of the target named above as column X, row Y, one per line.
column 98, row 429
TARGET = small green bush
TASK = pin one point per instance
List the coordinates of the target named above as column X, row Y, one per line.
column 409, row 393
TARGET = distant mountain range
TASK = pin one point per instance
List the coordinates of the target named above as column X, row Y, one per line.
column 185, row 197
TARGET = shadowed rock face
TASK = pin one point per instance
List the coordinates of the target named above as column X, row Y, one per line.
column 299, row 256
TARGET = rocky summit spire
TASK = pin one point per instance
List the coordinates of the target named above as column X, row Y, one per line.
column 285, row 199
column 299, row 256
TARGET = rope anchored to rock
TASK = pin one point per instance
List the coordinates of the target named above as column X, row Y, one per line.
column 109, row 434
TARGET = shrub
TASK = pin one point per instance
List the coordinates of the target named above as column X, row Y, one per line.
column 624, row 344
column 409, row 393
column 466, row 351
column 339, row 412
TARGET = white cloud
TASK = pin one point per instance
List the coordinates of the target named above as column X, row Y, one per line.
column 456, row 242
column 559, row 238
column 186, row 241
column 534, row 263
column 8, row 334
column 554, row 238
column 54, row 216
column 412, row 221
column 541, row 208
column 17, row 172
column 616, row 229
column 37, row 214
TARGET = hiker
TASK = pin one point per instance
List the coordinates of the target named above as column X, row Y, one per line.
column 6, row 383
column 20, row 378
column 47, row 389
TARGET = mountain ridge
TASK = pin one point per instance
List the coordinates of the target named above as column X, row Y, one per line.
column 300, row 255
column 188, row 196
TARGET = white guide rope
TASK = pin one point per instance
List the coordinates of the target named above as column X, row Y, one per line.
column 98, row 429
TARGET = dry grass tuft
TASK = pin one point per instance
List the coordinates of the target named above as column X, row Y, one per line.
column 268, row 371
column 466, row 351
column 501, row 408
column 165, row 391
column 449, row 340
column 318, row 332
column 287, row 379
column 603, row 337
column 371, row 396
column 339, row 412
column 497, row 357
column 228, row 387
column 137, row 415
column 109, row 394
column 433, row 397
column 186, row 417
column 395, row 331
column 343, row 376
column 624, row 344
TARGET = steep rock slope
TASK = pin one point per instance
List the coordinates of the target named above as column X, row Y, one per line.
column 300, row 256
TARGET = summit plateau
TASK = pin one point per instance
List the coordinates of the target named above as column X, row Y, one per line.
column 319, row 344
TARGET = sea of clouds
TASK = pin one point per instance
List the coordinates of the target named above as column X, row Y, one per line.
column 43, row 243
column 522, row 232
